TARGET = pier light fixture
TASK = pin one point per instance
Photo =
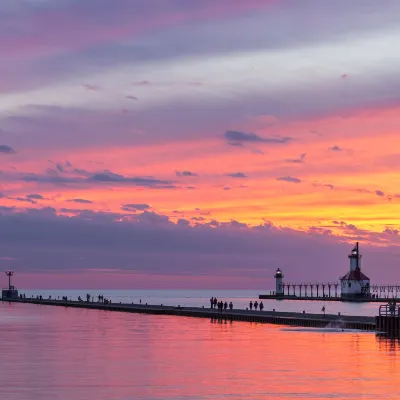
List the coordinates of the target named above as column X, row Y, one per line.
column 9, row 273
column 279, row 285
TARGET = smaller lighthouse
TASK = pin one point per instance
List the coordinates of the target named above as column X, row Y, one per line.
column 279, row 283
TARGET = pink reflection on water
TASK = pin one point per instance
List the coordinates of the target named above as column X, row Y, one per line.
column 61, row 353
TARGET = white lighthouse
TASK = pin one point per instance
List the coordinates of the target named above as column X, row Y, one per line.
column 279, row 283
column 355, row 284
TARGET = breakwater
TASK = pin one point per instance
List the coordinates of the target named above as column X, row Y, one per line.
column 266, row 316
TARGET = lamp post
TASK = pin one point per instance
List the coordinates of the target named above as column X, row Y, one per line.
column 9, row 274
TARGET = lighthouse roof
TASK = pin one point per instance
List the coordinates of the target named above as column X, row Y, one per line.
column 355, row 275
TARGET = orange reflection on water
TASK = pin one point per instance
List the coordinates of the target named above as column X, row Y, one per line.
column 59, row 353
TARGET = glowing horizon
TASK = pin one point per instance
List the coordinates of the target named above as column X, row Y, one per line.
column 259, row 122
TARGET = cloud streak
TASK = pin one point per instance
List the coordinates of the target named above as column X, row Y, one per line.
column 243, row 137
column 289, row 179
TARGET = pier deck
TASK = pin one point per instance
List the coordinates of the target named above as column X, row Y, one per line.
column 271, row 317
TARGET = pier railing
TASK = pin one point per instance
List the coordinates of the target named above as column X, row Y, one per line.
column 389, row 310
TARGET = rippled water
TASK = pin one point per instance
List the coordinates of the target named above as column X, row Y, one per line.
column 71, row 354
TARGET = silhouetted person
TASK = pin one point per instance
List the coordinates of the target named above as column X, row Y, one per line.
column 225, row 306
column 251, row 305
column 323, row 309
column 212, row 302
column 261, row 306
column 255, row 305
column 231, row 306
column 215, row 302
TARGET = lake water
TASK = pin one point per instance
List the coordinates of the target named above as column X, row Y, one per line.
column 58, row 353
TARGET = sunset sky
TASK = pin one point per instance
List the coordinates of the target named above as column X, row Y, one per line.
column 198, row 143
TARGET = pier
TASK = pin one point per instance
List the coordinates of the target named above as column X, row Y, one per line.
column 266, row 317
column 354, row 286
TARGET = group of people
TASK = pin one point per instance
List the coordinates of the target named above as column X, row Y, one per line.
column 220, row 305
column 256, row 305
column 100, row 299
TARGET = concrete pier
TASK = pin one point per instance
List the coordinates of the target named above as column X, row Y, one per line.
column 269, row 317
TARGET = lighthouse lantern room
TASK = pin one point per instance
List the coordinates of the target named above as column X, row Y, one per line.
column 355, row 284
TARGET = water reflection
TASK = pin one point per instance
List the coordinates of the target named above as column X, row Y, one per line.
column 62, row 353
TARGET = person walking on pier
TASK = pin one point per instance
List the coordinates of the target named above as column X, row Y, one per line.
column 215, row 302
column 212, row 302
column 256, row 305
column 261, row 306
column 225, row 306
column 231, row 306
column 251, row 305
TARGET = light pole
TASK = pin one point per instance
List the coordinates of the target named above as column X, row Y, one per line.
column 9, row 274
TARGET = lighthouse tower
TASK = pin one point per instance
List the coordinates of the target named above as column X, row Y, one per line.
column 355, row 284
column 279, row 283
column 355, row 259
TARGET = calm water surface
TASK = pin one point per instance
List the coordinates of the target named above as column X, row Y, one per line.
column 71, row 354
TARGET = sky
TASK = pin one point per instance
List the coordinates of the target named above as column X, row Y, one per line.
column 198, row 144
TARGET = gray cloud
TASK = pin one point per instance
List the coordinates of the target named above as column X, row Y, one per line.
column 328, row 185
column 237, row 175
column 108, row 176
column 236, row 144
column 390, row 231
column 150, row 243
column 185, row 173
column 135, row 207
column 82, row 201
column 93, row 88
column 6, row 149
column 23, row 199
column 34, row 196
column 237, row 136
column 379, row 193
column 290, row 179
column 335, row 148
column 299, row 160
